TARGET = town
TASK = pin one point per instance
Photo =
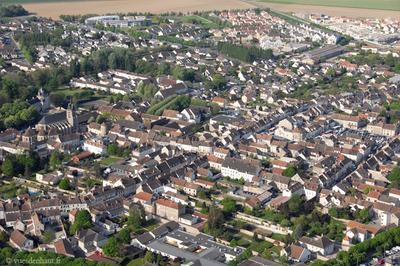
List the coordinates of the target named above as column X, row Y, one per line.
column 244, row 137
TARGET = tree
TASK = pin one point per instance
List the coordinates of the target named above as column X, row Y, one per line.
column 64, row 184
column 8, row 167
column 159, row 259
column 290, row 171
column 364, row 215
column 149, row 257
column 3, row 237
column 229, row 205
column 218, row 82
column 48, row 236
column 298, row 231
column 136, row 218
column 183, row 74
column 54, row 160
column 202, row 195
column 394, row 177
column 215, row 221
column 124, row 235
column 112, row 247
column 146, row 91
column 83, row 220
column 13, row 11
column 57, row 99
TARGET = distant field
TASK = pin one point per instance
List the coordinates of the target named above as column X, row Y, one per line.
column 9, row 2
column 368, row 4
column 55, row 8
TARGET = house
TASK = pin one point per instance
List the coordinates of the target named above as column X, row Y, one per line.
column 348, row 121
column 169, row 209
column 321, row 245
column 188, row 188
column 296, row 253
column 360, row 232
column 383, row 129
column 240, row 168
column 19, row 241
column 311, row 190
column 63, row 247
column 90, row 241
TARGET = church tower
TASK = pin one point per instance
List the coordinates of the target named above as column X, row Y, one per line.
column 71, row 117
column 44, row 99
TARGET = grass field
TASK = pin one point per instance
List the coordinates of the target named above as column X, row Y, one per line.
column 110, row 160
column 367, row 4
column 200, row 20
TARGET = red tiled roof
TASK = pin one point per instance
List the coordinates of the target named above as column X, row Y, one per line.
column 143, row 196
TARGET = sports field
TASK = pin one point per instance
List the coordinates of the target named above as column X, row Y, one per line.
column 367, row 4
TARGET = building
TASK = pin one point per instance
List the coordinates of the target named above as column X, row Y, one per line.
column 169, row 209
column 100, row 19
column 321, row 54
column 19, row 241
column 239, row 168
column 297, row 253
column 321, row 245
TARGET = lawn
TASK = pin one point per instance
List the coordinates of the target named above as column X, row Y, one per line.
column 110, row 160
column 72, row 91
column 151, row 225
column 195, row 19
column 8, row 191
column 137, row 262
column 370, row 4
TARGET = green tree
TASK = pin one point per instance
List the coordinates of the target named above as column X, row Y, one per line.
column 394, row 177
column 146, row 91
column 290, row 171
column 229, row 205
column 8, row 167
column 149, row 257
column 83, row 220
column 136, row 218
column 181, row 73
column 48, row 236
column 218, row 82
column 54, row 160
column 64, row 184
column 364, row 215
column 3, row 237
column 124, row 235
column 57, row 99
column 215, row 221
column 112, row 247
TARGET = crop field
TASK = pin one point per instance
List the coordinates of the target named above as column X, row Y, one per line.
column 367, row 4
column 55, row 8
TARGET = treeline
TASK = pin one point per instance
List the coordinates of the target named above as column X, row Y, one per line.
column 17, row 89
column 9, row 257
column 118, row 58
column 13, row 11
column 363, row 251
column 173, row 103
column 29, row 40
column 243, row 53
column 17, row 114
column 24, row 164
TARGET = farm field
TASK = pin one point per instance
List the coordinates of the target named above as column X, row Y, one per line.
column 324, row 9
column 367, row 4
column 55, row 8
